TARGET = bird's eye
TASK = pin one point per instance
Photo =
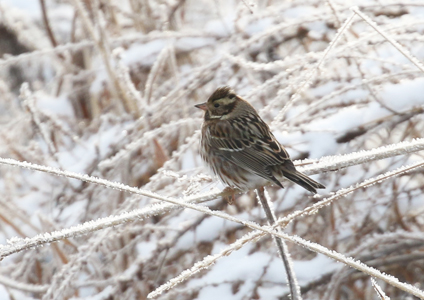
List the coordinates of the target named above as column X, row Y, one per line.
column 216, row 105
column 231, row 96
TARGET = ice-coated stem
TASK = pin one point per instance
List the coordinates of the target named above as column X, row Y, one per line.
column 281, row 246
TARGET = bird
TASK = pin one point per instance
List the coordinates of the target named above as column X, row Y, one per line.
column 240, row 148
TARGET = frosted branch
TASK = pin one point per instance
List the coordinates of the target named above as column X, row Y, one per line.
column 378, row 290
column 312, row 73
column 398, row 46
column 283, row 222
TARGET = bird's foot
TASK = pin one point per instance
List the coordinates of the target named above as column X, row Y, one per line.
column 229, row 195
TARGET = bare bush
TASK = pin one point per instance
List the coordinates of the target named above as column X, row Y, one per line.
column 100, row 162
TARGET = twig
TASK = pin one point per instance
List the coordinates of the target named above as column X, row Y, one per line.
column 281, row 246
column 305, row 84
column 21, row 286
column 398, row 46
column 29, row 101
column 378, row 290
column 102, row 44
column 333, row 163
column 47, row 23
column 256, row 235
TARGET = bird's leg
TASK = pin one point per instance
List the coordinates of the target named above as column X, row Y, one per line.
column 229, row 195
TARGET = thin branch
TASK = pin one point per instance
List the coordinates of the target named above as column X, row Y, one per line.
column 17, row 245
column 47, row 23
column 398, row 46
column 283, row 222
column 305, row 84
column 315, row 248
column 103, row 46
column 26, row 287
column 281, row 246
column 378, row 290
column 333, row 163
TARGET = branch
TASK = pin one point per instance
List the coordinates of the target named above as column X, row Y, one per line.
column 326, row 164
column 398, row 46
column 258, row 234
column 281, row 246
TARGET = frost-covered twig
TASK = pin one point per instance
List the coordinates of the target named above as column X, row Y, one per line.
column 256, row 235
column 378, row 290
column 332, row 164
column 263, row 198
column 66, row 274
column 130, row 217
column 103, row 46
column 398, row 46
column 160, row 60
column 305, row 84
column 307, row 244
column 329, row 163
column 29, row 101
column 17, row 245
column 343, row 192
column 205, row 263
column 354, row 264
column 26, row 287
column 124, row 75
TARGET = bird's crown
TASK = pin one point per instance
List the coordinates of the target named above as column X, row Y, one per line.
column 222, row 92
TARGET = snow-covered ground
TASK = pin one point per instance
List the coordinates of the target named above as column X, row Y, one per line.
column 98, row 96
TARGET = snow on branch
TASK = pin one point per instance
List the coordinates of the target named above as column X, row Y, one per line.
column 354, row 264
column 337, row 162
column 283, row 222
column 27, row 287
column 208, row 261
column 398, row 46
column 18, row 244
column 326, row 164
column 305, row 84
column 378, row 290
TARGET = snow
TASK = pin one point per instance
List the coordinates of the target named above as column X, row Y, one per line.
column 405, row 96
column 221, row 28
column 258, row 26
column 320, row 143
column 187, row 44
column 31, row 8
column 105, row 293
column 144, row 53
column 216, row 292
column 145, row 249
column 240, row 265
column 55, row 105
column 210, row 229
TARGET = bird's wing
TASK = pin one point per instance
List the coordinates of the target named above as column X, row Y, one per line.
column 247, row 142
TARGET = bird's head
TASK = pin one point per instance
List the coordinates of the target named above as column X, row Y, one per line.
column 220, row 104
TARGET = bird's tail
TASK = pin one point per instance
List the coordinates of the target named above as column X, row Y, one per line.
column 304, row 181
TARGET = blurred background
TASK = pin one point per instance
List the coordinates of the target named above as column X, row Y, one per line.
column 107, row 88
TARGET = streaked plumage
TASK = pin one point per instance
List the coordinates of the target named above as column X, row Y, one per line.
column 239, row 147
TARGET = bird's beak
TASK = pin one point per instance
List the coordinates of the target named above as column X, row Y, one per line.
column 202, row 106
